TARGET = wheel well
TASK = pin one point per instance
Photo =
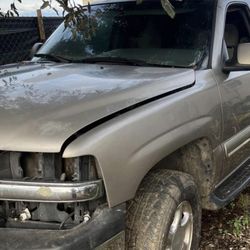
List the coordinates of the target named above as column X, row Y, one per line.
column 195, row 158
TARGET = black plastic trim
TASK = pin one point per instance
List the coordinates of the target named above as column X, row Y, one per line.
column 106, row 223
column 211, row 52
column 236, row 67
column 232, row 186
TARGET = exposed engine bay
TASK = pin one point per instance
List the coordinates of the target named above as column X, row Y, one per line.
column 45, row 168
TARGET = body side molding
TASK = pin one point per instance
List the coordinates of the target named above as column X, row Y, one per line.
column 236, row 142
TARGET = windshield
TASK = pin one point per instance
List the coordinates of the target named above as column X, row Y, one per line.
column 139, row 32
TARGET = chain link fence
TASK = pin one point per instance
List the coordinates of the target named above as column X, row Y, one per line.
column 19, row 34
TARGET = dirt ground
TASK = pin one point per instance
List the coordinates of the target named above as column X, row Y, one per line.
column 228, row 228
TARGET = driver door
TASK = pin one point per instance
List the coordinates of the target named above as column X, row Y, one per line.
column 235, row 91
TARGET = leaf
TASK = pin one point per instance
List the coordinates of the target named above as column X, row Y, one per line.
column 12, row 6
column 14, row 9
column 56, row 11
column 6, row 83
column 74, row 33
column 139, row 1
column 82, row 24
column 16, row 12
column 168, row 7
column 45, row 5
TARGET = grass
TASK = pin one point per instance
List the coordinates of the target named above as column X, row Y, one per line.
column 228, row 228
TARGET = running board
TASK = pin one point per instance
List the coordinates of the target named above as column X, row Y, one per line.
column 53, row 192
column 232, row 185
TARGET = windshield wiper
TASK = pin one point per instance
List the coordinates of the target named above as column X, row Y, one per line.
column 120, row 60
column 52, row 57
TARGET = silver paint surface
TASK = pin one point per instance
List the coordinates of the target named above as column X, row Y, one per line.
column 46, row 104
column 41, row 105
column 127, row 147
column 235, row 94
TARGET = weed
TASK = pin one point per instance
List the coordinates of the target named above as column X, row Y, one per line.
column 241, row 223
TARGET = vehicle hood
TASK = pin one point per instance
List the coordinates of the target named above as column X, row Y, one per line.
column 43, row 104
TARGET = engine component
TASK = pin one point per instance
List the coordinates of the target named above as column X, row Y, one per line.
column 25, row 215
column 41, row 190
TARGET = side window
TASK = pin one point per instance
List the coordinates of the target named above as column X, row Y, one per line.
column 237, row 29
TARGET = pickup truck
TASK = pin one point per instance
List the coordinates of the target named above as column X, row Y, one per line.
column 117, row 135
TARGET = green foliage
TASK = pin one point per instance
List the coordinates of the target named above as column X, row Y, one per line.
column 12, row 11
column 76, row 17
column 244, row 202
column 168, row 7
column 241, row 223
column 71, row 11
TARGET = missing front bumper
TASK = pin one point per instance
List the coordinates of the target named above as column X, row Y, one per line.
column 102, row 230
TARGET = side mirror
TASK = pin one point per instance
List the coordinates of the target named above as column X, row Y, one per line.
column 35, row 48
column 241, row 59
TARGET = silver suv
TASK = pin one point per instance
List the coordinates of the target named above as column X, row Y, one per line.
column 118, row 134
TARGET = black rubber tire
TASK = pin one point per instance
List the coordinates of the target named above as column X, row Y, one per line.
column 151, row 212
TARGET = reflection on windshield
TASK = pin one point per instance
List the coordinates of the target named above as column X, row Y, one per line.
column 139, row 32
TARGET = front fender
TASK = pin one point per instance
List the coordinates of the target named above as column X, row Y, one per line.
column 128, row 146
